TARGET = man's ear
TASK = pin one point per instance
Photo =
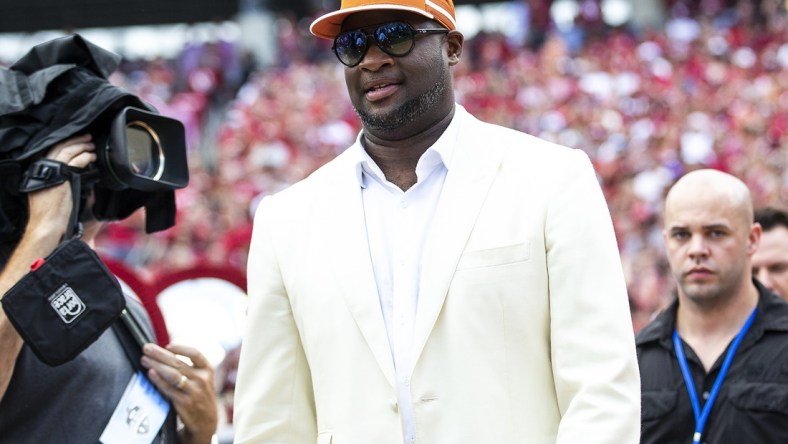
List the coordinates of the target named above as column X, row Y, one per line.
column 754, row 238
column 455, row 40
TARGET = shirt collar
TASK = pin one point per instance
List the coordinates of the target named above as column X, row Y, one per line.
column 772, row 314
column 772, row 310
column 441, row 152
column 661, row 328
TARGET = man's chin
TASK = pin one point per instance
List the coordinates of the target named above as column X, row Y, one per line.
column 701, row 293
column 379, row 120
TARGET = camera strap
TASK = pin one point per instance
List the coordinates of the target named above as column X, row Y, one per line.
column 45, row 173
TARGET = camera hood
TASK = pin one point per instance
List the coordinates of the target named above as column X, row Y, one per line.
column 53, row 92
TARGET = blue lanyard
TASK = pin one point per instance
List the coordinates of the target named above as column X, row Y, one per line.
column 702, row 416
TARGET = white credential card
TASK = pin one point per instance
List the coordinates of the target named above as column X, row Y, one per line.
column 139, row 414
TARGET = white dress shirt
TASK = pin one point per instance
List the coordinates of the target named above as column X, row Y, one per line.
column 397, row 225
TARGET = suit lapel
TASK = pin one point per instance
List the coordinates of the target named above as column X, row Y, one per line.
column 347, row 235
column 471, row 174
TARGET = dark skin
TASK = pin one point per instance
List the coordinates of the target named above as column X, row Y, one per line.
column 414, row 103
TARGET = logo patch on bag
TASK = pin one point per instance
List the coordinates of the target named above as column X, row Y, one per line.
column 67, row 304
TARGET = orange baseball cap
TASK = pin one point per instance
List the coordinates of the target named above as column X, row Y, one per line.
column 329, row 25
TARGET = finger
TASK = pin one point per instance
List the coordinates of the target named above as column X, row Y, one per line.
column 74, row 140
column 82, row 160
column 198, row 359
column 170, row 376
column 166, row 388
column 83, row 138
column 68, row 149
column 67, row 153
column 164, row 356
column 181, row 382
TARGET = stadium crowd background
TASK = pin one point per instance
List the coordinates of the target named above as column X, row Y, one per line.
column 707, row 89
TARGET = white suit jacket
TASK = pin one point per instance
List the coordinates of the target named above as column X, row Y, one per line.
column 522, row 334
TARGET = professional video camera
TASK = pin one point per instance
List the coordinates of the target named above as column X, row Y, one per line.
column 60, row 89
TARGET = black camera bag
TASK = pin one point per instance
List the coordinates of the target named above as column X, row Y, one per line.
column 64, row 303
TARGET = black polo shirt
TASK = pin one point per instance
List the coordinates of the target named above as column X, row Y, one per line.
column 752, row 405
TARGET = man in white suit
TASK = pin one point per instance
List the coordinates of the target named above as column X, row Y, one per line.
column 442, row 281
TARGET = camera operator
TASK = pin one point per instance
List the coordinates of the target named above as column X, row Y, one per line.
column 74, row 402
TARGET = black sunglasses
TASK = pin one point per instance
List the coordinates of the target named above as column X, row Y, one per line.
column 395, row 39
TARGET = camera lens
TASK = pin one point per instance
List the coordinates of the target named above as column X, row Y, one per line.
column 146, row 158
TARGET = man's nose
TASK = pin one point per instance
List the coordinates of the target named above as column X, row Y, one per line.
column 698, row 247
column 375, row 57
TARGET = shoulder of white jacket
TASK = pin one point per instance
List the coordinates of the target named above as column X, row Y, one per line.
column 512, row 141
column 531, row 151
column 336, row 170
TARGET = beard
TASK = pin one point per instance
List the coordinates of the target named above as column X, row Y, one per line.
column 408, row 112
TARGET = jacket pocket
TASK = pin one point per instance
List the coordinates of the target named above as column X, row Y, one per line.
column 769, row 397
column 490, row 257
column 761, row 412
column 657, row 403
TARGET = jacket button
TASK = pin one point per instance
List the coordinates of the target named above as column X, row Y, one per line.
column 394, row 405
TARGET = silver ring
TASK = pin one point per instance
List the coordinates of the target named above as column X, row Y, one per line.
column 181, row 382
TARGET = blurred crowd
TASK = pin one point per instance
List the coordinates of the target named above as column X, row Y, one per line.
column 709, row 89
column 705, row 91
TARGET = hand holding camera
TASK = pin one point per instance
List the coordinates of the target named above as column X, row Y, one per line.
column 51, row 207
